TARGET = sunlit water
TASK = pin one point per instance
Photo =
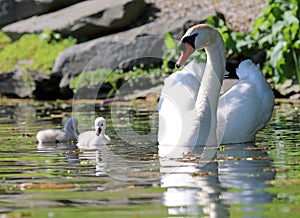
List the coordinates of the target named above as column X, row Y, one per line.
column 127, row 179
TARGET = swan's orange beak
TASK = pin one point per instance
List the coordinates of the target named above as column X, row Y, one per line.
column 186, row 52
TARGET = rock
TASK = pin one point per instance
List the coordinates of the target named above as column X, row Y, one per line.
column 144, row 44
column 108, row 54
column 16, row 84
column 47, row 88
column 13, row 10
column 87, row 19
column 20, row 83
column 239, row 14
column 290, row 88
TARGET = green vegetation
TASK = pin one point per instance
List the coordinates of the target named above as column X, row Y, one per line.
column 172, row 54
column 94, row 78
column 33, row 52
column 235, row 42
column 276, row 30
column 4, row 40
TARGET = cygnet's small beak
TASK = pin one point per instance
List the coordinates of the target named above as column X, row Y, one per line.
column 98, row 132
column 186, row 52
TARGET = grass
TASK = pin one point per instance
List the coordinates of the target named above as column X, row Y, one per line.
column 33, row 52
column 4, row 40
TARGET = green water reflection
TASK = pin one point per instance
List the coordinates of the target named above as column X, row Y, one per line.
column 127, row 179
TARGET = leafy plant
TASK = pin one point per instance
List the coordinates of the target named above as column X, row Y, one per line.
column 235, row 42
column 277, row 31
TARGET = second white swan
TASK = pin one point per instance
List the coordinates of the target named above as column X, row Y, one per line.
column 191, row 111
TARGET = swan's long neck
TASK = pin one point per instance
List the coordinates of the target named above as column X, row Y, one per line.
column 71, row 129
column 208, row 95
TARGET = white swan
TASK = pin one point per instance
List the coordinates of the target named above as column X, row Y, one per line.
column 90, row 139
column 191, row 111
column 69, row 133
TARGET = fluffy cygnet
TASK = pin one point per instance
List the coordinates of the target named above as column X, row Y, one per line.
column 90, row 139
column 69, row 133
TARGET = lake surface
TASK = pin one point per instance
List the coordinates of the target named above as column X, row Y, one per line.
column 127, row 179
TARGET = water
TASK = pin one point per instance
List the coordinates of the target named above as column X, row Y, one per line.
column 127, row 179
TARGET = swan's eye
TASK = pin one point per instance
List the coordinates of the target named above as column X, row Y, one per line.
column 190, row 39
column 101, row 124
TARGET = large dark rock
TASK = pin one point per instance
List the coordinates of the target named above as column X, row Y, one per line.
column 20, row 83
column 13, row 10
column 111, row 54
column 16, row 84
column 144, row 44
column 88, row 19
column 47, row 88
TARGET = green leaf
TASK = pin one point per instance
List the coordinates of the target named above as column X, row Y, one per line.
column 276, row 12
column 297, row 44
column 170, row 42
column 276, row 54
column 290, row 18
column 277, row 27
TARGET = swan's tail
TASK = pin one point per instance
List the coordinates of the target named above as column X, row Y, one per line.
column 248, row 68
column 251, row 73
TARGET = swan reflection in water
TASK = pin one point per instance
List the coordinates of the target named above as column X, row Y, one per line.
column 122, row 163
column 237, row 176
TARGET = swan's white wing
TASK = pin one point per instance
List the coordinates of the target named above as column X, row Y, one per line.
column 89, row 140
column 86, row 140
column 263, row 89
column 238, row 114
column 246, row 107
column 186, row 80
column 176, row 107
